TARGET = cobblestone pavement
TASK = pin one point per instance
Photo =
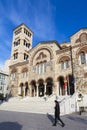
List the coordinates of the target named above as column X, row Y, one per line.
column 30, row 121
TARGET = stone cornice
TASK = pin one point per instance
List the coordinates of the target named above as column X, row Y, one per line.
column 63, row 50
column 68, row 48
column 19, row 64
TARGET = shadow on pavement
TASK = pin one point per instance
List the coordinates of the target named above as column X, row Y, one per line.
column 50, row 117
column 77, row 119
column 10, row 126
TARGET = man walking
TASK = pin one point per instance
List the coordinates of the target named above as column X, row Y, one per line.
column 57, row 114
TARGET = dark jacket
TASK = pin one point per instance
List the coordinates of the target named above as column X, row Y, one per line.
column 57, row 109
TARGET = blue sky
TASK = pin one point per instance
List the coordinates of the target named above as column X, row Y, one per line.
column 48, row 19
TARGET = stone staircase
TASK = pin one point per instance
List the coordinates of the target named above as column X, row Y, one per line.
column 29, row 104
column 68, row 104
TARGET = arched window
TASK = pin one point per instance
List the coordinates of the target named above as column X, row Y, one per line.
column 64, row 64
column 25, row 56
column 13, row 74
column 41, row 68
column 82, row 58
column 15, row 55
column 24, row 72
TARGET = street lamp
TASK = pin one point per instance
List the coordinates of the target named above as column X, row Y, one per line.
column 72, row 80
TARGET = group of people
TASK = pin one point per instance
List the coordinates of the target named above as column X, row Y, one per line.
column 57, row 114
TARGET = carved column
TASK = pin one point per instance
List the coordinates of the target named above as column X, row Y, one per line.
column 30, row 90
column 23, row 91
column 37, row 89
column 44, row 88
column 57, row 88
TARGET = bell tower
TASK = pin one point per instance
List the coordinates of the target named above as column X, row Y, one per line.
column 21, row 44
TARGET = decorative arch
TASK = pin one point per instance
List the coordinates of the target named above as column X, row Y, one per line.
column 33, row 82
column 33, row 88
column 61, row 85
column 41, row 62
column 24, row 69
column 82, row 38
column 63, row 58
column 82, row 49
column 49, row 79
column 49, row 85
column 26, row 88
column 60, row 77
column 40, row 81
column 46, row 48
column 26, row 83
column 21, row 84
column 14, row 70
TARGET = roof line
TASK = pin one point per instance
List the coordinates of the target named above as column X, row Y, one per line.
column 78, row 31
column 24, row 25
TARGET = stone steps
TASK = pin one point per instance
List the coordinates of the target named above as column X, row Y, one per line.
column 25, row 105
column 40, row 105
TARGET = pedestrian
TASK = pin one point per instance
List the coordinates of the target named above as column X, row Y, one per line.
column 57, row 114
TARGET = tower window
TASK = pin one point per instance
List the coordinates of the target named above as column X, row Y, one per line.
column 18, row 31
column 15, row 56
column 17, row 43
column 26, row 44
column 27, row 32
column 25, row 56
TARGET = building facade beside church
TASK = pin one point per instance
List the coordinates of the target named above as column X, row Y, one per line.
column 49, row 67
column 4, row 82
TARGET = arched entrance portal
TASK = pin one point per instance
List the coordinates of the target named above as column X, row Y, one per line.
column 49, row 85
column 61, row 85
column 41, row 87
column 71, row 85
column 26, row 88
column 33, row 88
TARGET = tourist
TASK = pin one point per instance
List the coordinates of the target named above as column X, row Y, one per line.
column 57, row 114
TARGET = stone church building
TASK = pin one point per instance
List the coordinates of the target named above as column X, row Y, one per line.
column 49, row 67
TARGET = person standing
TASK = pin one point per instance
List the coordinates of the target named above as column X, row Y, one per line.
column 57, row 114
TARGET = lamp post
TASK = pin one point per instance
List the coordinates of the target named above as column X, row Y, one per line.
column 72, row 80
column 71, row 59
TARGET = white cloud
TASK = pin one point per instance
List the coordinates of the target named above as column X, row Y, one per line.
column 43, row 23
column 37, row 14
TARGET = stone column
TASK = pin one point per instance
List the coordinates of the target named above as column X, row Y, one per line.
column 23, row 91
column 37, row 89
column 44, row 89
column 30, row 90
column 34, row 92
column 86, row 58
column 57, row 88
column 19, row 90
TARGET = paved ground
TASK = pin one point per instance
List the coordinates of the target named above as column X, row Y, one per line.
column 29, row 121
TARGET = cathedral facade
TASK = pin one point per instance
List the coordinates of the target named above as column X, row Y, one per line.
column 49, row 67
